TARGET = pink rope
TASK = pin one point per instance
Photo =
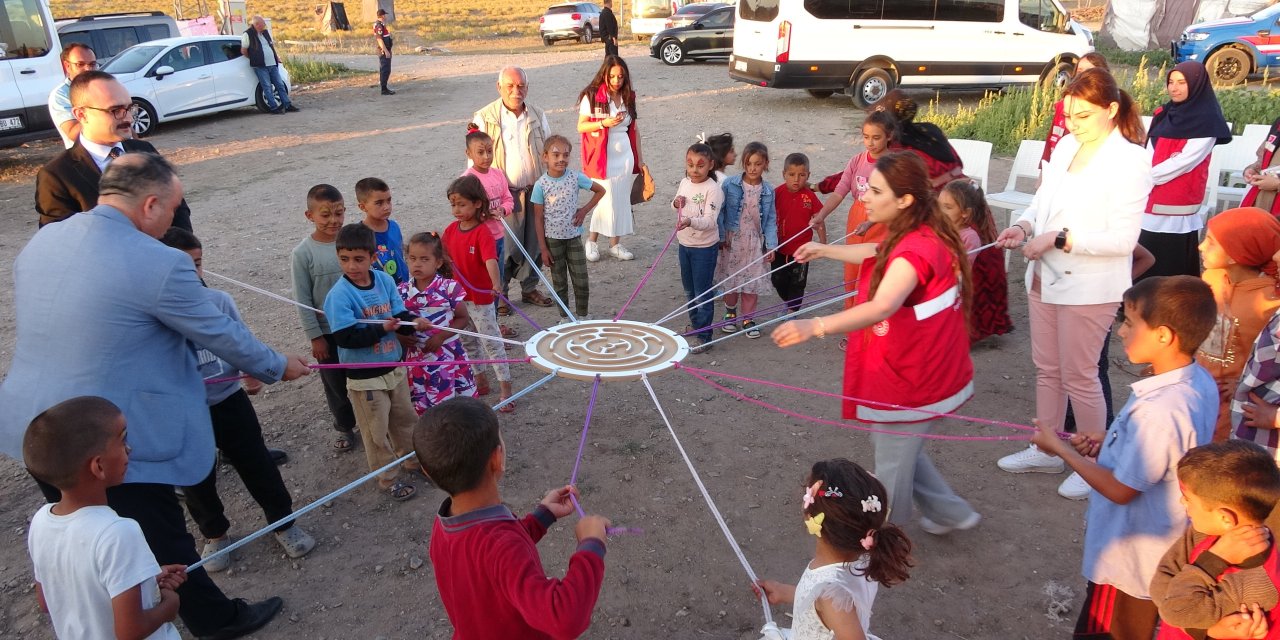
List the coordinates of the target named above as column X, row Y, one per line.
column 847, row 425
column 419, row 363
column 648, row 273
column 243, row 376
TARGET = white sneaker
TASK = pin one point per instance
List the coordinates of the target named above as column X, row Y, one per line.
column 620, row 252
column 1031, row 460
column 593, row 253
column 1074, row 488
column 941, row 530
column 221, row 563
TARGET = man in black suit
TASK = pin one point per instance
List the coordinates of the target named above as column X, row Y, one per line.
column 68, row 184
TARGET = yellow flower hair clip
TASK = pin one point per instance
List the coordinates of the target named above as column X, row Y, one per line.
column 814, row 523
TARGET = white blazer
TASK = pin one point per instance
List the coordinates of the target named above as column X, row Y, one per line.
column 1102, row 206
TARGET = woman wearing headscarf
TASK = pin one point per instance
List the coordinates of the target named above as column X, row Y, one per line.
column 924, row 138
column 1183, row 134
column 1239, row 264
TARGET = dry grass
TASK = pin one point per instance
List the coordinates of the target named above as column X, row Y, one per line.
column 501, row 25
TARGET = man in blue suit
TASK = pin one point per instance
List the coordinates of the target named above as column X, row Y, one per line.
column 121, row 326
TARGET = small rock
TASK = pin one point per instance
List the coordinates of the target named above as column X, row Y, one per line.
column 377, row 568
column 721, row 613
column 328, row 504
column 684, row 611
column 937, row 622
column 293, row 617
column 415, row 563
column 626, row 477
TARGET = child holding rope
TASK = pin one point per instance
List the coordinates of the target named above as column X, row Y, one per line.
column 1133, row 513
column 964, row 204
column 856, row 550
column 751, row 235
column 700, row 230
column 432, row 294
column 907, row 340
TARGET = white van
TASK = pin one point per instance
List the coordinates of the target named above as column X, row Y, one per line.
column 29, row 70
column 867, row 47
column 650, row 16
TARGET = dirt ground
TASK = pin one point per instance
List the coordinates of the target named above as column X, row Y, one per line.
column 1017, row 575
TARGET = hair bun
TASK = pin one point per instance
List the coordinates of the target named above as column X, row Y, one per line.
column 472, row 127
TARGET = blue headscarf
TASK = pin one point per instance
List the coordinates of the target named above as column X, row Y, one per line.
column 1199, row 116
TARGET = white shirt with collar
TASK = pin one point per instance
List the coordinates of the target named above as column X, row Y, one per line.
column 99, row 152
column 520, row 167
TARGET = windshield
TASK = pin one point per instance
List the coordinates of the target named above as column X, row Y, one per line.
column 651, row 9
column 133, row 59
column 1269, row 12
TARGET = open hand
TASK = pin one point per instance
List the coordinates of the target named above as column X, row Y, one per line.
column 559, row 502
column 1241, row 543
column 810, row 251
column 794, row 332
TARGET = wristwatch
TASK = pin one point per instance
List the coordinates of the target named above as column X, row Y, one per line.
column 1060, row 242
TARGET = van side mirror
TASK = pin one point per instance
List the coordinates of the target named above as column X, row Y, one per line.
column 163, row 71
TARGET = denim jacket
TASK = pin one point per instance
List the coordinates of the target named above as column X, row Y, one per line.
column 733, row 210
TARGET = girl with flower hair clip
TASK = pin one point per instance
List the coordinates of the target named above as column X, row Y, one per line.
column 856, row 550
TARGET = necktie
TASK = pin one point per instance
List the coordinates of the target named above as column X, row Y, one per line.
column 115, row 152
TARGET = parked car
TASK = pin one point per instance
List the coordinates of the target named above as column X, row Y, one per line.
column 690, row 13
column 571, row 21
column 1233, row 48
column 110, row 33
column 177, row 78
column 710, row 36
column 29, row 70
column 650, row 16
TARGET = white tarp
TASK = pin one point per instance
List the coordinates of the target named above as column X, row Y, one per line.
column 1128, row 24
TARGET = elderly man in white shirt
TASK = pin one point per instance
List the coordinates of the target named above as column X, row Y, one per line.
column 77, row 58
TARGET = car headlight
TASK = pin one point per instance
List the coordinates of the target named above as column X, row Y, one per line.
column 1196, row 36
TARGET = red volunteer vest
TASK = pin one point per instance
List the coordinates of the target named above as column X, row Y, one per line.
column 1272, row 566
column 1268, row 152
column 595, row 144
column 919, row 357
column 1183, row 195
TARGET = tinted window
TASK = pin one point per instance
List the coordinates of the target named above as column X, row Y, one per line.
column 187, row 56
column 155, row 32
column 22, row 32
column 131, row 60
column 722, row 18
column 970, row 10
column 223, row 50
column 758, row 10
column 117, row 40
column 844, row 9
column 83, row 37
column 558, row 10
column 1042, row 15
column 908, row 10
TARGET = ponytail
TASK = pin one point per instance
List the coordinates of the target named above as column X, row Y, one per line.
column 1129, row 121
column 1098, row 87
column 889, row 558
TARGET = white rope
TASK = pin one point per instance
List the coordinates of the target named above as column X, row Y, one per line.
column 536, row 269
column 788, row 316
column 262, row 291
column 724, row 527
column 482, row 336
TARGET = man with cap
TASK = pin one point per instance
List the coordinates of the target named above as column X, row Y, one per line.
column 382, row 35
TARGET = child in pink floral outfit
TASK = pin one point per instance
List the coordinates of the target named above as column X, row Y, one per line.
column 430, row 295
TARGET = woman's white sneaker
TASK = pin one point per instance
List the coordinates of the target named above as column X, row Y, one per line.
column 620, row 252
column 1074, row 488
column 592, row 251
column 1031, row 460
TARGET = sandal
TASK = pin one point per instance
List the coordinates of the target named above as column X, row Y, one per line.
column 509, row 407
column 508, row 332
column 400, row 491
column 503, row 310
column 537, row 298
column 346, row 441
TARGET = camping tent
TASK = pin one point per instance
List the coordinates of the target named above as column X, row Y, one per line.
column 1136, row 25
column 333, row 17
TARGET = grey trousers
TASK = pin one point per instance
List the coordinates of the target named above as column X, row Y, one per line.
column 907, row 473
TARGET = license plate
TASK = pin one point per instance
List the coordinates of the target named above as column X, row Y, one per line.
column 10, row 123
column 740, row 65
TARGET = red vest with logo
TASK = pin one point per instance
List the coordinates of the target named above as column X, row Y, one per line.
column 1183, row 195
column 1268, row 152
column 1272, row 567
column 919, row 356
column 595, row 144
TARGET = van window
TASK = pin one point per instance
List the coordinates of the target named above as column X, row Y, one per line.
column 22, row 32
column 652, row 9
column 844, row 9
column 971, row 10
column 908, row 10
column 117, row 40
column 83, row 37
column 758, row 10
column 1042, row 15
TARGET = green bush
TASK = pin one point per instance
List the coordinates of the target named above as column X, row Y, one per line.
column 1007, row 118
column 306, row 70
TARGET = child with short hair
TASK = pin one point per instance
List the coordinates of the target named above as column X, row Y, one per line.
column 856, row 550
column 479, row 149
column 1226, row 559
column 1133, row 513
column 379, row 395
column 95, row 575
column 314, row 268
column 700, row 230
column 964, row 204
column 1238, row 255
column 558, row 219
column 751, row 235
column 795, row 204
column 474, row 259
column 373, row 196
column 432, row 294
column 486, row 561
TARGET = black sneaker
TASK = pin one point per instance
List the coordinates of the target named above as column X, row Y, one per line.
column 249, row 618
column 388, row 92
column 292, row 109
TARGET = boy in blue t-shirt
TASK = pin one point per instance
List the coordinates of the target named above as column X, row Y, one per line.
column 373, row 196
column 1134, row 513
column 379, row 395
column 558, row 219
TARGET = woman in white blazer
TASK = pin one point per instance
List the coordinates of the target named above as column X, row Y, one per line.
column 1080, row 232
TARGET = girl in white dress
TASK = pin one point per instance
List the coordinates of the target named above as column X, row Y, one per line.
column 610, row 153
column 856, row 551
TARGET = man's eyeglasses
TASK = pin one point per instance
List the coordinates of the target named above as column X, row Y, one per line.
column 92, row 64
column 119, row 111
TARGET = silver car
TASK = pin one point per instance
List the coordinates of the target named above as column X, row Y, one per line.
column 570, row 21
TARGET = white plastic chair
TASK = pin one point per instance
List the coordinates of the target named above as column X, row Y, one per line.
column 1232, row 158
column 976, row 156
column 1212, row 190
column 1025, row 165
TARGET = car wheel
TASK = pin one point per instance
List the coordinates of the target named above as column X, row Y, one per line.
column 820, row 94
column 1059, row 75
column 546, row 42
column 672, row 52
column 1229, row 66
column 260, row 100
column 871, row 87
column 587, row 35
column 144, row 118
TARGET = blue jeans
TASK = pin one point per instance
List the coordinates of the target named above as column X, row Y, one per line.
column 272, row 85
column 697, row 273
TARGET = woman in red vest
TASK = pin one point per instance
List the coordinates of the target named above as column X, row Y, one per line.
column 1183, row 134
column 1263, row 176
column 610, row 153
column 908, row 353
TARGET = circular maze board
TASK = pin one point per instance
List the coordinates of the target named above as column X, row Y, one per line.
column 611, row 349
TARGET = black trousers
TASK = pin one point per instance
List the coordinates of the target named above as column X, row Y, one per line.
column 1177, row 254
column 789, row 281
column 610, row 46
column 202, row 605
column 335, row 390
column 384, row 70
column 238, row 434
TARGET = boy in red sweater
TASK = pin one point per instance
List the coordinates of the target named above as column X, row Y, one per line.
column 486, row 561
